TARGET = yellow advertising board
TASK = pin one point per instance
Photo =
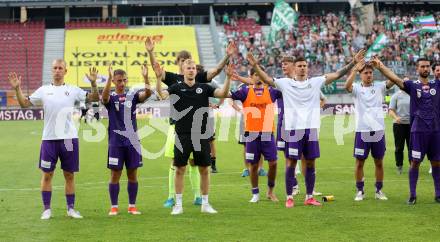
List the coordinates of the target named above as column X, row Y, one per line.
column 124, row 49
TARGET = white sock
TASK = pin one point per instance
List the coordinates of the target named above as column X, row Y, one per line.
column 131, row 205
column 179, row 198
column 205, row 200
column 290, row 197
column 114, row 206
column 309, row 196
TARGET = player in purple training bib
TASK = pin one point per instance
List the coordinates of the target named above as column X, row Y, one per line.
column 368, row 97
column 60, row 136
column 123, row 142
column 425, row 122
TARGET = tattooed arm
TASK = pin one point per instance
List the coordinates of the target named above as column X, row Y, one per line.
column 329, row 78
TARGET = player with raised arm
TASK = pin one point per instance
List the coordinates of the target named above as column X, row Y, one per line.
column 425, row 122
column 123, row 141
column 60, row 135
column 370, row 125
column 169, row 79
column 301, row 98
column 190, row 106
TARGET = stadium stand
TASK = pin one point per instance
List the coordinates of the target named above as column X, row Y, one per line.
column 94, row 24
column 21, row 50
column 328, row 40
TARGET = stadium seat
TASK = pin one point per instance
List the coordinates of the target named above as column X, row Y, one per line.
column 15, row 39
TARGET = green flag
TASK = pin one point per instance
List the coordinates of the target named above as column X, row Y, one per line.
column 379, row 43
column 283, row 17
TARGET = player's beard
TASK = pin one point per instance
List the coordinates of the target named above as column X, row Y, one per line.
column 424, row 74
column 120, row 89
column 369, row 82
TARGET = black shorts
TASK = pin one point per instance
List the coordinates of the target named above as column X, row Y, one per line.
column 84, row 112
column 202, row 156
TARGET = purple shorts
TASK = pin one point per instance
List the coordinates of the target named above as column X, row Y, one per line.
column 65, row 149
column 366, row 141
column 118, row 155
column 421, row 144
column 281, row 144
column 302, row 142
column 262, row 145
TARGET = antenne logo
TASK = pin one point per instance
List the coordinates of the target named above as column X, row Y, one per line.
column 128, row 37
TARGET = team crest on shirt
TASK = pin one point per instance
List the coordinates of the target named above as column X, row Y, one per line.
column 128, row 104
column 67, row 93
column 373, row 91
column 432, row 91
column 199, row 90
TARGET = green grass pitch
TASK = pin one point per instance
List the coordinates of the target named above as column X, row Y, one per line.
column 237, row 220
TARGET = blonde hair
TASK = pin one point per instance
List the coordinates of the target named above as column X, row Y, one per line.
column 60, row 61
column 189, row 62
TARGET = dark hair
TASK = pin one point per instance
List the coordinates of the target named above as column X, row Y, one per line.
column 422, row 59
column 119, row 72
column 184, row 54
column 252, row 71
column 366, row 66
column 435, row 65
column 200, row 68
column 299, row 59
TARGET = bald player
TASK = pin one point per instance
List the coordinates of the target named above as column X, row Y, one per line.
column 60, row 136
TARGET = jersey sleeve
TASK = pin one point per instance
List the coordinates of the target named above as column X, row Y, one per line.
column 354, row 89
column 407, row 86
column 210, row 90
column 240, row 94
column 202, row 77
column 274, row 94
column 36, row 98
column 319, row 80
column 136, row 98
column 109, row 103
column 279, row 83
column 170, row 78
column 80, row 94
column 172, row 89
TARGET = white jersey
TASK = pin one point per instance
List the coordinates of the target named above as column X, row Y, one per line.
column 58, row 104
column 368, row 106
column 301, row 102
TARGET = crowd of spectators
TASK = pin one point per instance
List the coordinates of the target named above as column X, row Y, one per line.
column 329, row 40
